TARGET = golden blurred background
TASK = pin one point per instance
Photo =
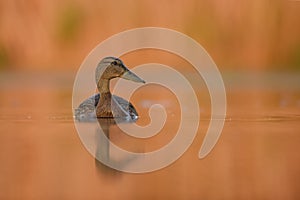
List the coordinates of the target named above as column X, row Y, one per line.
column 255, row 44
column 238, row 34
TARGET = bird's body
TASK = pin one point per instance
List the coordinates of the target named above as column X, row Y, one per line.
column 88, row 107
column 104, row 104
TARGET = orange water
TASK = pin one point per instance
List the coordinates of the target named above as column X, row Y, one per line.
column 257, row 156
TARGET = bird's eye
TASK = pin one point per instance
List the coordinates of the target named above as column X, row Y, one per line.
column 114, row 63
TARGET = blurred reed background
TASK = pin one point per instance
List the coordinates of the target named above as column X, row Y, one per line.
column 255, row 44
column 238, row 34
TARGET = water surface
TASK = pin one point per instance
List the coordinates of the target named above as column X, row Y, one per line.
column 42, row 157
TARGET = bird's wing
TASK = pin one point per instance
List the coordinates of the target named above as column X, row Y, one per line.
column 127, row 106
column 88, row 105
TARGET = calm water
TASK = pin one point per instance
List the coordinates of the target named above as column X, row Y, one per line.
column 257, row 156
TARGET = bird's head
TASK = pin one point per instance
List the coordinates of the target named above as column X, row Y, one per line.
column 111, row 67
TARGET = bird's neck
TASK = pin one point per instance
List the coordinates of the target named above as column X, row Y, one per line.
column 103, row 108
column 103, row 86
column 107, row 103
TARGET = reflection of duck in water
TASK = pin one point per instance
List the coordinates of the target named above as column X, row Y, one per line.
column 108, row 158
column 106, row 104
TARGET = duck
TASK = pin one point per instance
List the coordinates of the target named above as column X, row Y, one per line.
column 104, row 104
